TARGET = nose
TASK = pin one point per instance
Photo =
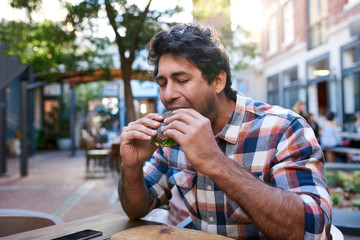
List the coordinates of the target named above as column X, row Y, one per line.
column 169, row 93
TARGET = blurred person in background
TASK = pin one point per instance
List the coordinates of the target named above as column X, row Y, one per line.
column 331, row 136
column 300, row 108
column 314, row 125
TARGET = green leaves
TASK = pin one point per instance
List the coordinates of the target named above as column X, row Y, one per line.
column 167, row 143
column 42, row 45
column 48, row 47
column 335, row 198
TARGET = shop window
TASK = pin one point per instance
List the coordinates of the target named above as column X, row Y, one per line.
column 351, row 82
column 290, row 97
column 292, row 91
column 290, row 78
column 317, row 18
column 351, row 86
column 318, row 69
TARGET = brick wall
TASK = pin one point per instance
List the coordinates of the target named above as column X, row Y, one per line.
column 340, row 12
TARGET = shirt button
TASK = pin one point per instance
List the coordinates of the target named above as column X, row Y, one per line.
column 208, row 187
column 211, row 219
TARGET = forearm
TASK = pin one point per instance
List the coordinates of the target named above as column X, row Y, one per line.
column 276, row 213
column 133, row 193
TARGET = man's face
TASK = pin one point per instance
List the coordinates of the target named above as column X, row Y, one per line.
column 183, row 86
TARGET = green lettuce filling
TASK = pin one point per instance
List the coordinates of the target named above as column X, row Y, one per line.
column 168, row 142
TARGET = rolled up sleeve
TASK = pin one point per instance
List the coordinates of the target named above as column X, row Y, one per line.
column 299, row 167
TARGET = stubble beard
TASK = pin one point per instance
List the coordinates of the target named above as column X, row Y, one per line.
column 208, row 107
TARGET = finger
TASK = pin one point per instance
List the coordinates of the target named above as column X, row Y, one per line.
column 138, row 132
column 187, row 117
column 155, row 116
column 188, row 111
column 178, row 136
column 180, row 126
column 148, row 122
column 131, row 135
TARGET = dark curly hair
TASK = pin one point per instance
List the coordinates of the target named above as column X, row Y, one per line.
column 196, row 43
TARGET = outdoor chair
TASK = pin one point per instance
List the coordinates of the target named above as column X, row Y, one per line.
column 98, row 156
column 336, row 233
column 115, row 157
column 14, row 221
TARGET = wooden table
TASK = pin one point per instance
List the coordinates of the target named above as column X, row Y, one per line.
column 108, row 224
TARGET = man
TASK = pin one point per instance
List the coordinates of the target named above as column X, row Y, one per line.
column 244, row 169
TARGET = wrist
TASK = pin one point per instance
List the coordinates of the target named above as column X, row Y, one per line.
column 132, row 171
column 215, row 165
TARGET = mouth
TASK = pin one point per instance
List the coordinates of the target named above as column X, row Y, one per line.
column 176, row 107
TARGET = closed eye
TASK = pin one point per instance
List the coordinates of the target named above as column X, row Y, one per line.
column 161, row 81
column 181, row 81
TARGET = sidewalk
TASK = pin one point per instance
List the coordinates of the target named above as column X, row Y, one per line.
column 57, row 184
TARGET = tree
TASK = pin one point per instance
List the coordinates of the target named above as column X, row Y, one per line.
column 133, row 28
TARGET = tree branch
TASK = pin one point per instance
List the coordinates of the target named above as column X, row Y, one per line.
column 111, row 14
column 142, row 19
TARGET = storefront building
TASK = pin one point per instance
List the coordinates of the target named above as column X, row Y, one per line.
column 313, row 55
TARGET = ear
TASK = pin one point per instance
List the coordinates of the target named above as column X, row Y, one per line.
column 219, row 82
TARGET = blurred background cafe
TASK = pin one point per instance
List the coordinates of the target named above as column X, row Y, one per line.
column 56, row 110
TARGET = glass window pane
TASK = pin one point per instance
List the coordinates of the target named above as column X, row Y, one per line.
column 350, row 88
column 323, row 64
column 332, row 96
column 272, row 34
column 324, row 8
column 349, row 58
column 290, row 78
column 318, row 12
column 313, row 100
column 323, row 32
column 302, row 94
column 311, row 69
column 273, row 83
column 289, row 22
column 351, row 94
column 290, row 97
column 318, row 69
column 273, row 98
column 314, row 11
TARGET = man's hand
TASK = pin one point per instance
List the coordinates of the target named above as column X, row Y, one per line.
column 135, row 140
column 194, row 133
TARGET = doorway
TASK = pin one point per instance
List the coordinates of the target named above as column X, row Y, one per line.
column 323, row 98
column 318, row 100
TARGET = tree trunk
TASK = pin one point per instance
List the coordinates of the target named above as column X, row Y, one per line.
column 129, row 98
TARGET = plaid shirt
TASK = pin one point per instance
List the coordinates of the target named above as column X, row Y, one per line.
column 275, row 145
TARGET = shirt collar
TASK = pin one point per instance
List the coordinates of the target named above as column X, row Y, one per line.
column 230, row 131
